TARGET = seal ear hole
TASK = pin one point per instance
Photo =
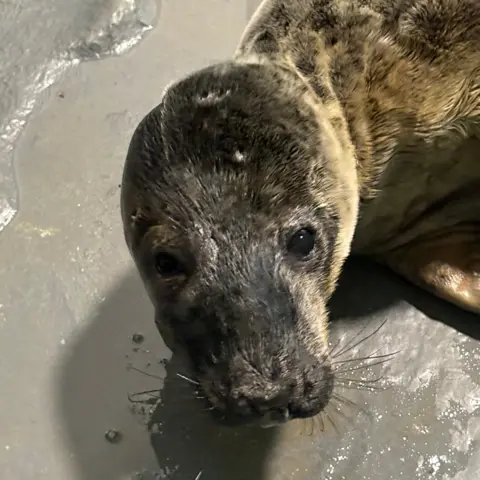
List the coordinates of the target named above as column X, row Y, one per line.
column 168, row 265
column 302, row 242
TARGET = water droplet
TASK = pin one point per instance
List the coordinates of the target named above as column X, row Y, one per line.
column 138, row 338
column 113, row 436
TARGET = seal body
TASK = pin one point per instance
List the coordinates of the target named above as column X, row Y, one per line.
column 404, row 76
column 338, row 126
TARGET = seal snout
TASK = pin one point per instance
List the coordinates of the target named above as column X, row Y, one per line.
column 257, row 399
column 248, row 406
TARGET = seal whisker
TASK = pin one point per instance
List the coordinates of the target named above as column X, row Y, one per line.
column 147, row 392
column 321, row 421
column 371, row 357
column 346, row 401
column 342, row 414
column 316, row 422
column 363, row 367
column 349, row 385
column 361, row 388
column 334, row 347
column 305, row 423
column 336, row 354
column 146, row 401
column 188, row 396
column 360, row 380
column 364, row 339
column 147, row 374
column 363, row 381
column 184, row 377
column 334, row 425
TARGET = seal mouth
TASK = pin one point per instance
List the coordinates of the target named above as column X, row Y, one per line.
column 270, row 419
column 244, row 389
column 267, row 409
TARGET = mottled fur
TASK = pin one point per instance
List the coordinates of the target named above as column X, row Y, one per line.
column 404, row 77
column 340, row 115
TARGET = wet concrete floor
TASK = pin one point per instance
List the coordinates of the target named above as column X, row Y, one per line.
column 71, row 301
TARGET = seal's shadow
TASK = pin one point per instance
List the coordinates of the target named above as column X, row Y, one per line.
column 103, row 367
column 95, row 378
column 366, row 287
column 188, row 438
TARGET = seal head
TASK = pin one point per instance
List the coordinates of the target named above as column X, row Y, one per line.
column 230, row 210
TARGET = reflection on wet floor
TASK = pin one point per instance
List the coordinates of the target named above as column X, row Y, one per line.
column 41, row 41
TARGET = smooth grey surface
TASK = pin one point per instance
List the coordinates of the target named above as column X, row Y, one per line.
column 40, row 41
column 70, row 301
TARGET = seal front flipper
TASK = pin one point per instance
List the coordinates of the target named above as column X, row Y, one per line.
column 447, row 264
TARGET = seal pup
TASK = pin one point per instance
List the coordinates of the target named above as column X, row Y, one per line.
column 338, row 127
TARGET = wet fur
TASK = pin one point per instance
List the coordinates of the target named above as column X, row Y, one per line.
column 333, row 113
column 404, row 75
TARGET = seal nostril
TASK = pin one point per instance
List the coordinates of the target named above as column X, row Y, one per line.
column 308, row 388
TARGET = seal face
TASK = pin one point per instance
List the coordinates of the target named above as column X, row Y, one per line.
column 235, row 249
column 246, row 188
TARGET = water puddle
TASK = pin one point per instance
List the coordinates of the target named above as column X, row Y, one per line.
column 33, row 61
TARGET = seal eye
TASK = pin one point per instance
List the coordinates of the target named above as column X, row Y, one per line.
column 168, row 266
column 301, row 243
